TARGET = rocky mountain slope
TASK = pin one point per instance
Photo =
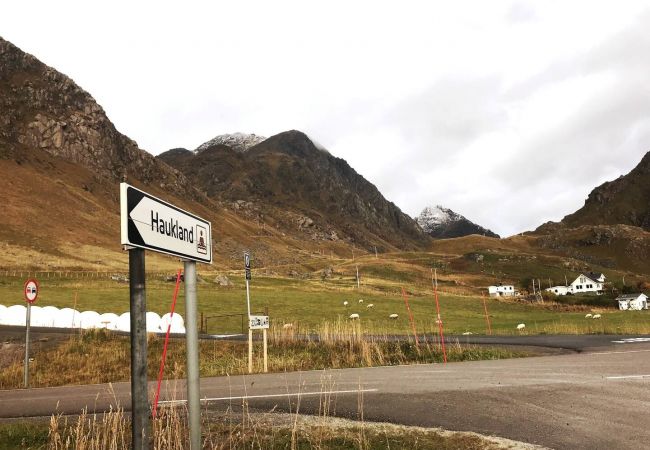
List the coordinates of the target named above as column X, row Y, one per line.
column 612, row 228
column 61, row 160
column 289, row 182
column 443, row 223
column 625, row 200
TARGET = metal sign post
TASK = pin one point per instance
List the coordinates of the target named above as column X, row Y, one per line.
column 148, row 222
column 192, row 343
column 140, row 427
column 31, row 293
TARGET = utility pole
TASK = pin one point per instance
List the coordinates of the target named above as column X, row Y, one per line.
column 357, row 277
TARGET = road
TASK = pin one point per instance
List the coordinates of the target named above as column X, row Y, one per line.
column 598, row 398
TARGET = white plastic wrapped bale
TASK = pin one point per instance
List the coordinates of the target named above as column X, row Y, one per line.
column 37, row 319
column 67, row 318
column 49, row 314
column 153, row 322
column 178, row 325
column 124, row 322
column 3, row 311
column 89, row 320
column 108, row 321
column 15, row 315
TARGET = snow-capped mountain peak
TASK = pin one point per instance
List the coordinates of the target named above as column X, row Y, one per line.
column 440, row 222
column 237, row 141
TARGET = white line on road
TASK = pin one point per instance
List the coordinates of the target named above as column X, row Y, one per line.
column 623, row 377
column 613, row 353
column 293, row 394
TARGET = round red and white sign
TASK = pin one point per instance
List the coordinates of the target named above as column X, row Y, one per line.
column 31, row 290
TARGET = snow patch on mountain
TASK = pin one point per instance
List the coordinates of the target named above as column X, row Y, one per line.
column 440, row 222
column 432, row 217
column 237, row 141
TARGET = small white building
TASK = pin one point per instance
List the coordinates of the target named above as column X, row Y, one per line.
column 558, row 290
column 591, row 282
column 502, row 291
column 635, row 302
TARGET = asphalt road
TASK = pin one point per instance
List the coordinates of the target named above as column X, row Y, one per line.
column 597, row 398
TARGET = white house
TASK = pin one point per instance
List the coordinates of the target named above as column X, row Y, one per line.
column 632, row 302
column 502, row 291
column 592, row 282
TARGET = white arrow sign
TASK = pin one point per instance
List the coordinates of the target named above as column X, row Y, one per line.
column 151, row 223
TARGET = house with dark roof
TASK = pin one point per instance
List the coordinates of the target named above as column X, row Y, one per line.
column 585, row 283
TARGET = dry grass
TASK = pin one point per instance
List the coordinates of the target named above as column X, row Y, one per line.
column 102, row 357
column 246, row 430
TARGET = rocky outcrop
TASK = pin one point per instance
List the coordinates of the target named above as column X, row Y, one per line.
column 44, row 109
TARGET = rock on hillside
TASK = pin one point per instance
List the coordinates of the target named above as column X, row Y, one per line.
column 290, row 179
column 442, row 223
column 44, row 109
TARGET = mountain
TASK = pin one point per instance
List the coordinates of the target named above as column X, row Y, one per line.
column 290, row 182
column 236, row 141
column 443, row 223
column 61, row 160
column 612, row 229
column 625, row 200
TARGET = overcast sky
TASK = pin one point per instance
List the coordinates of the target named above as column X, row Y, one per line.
column 509, row 113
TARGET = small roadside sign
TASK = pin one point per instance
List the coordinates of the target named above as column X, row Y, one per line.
column 31, row 290
column 258, row 322
column 247, row 265
column 153, row 224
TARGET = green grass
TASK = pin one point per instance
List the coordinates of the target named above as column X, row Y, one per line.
column 23, row 435
column 312, row 302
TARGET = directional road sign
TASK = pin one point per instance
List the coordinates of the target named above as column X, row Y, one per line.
column 154, row 224
column 31, row 290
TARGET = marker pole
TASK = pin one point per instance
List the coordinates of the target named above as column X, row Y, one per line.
column 28, row 317
column 487, row 316
column 266, row 364
column 138, row 307
column 192, row 344
column 408, row 308
column 440, row 328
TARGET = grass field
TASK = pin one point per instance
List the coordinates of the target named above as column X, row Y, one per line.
column 312, row 303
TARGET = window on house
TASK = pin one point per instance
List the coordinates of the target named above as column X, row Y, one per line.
column 579, row 286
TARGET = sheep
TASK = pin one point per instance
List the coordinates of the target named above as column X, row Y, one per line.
column 360, row 300
column 354, row 316
column 596, row 316
column 467, row 333
column 287, row 326
column 521, row 326
column 393, row 316
column 588, row 316
column 345, row 303
column 370, row 305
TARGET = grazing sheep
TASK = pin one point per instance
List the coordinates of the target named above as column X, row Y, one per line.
column 345, row 303
column 354, row 316
column 467, row 333
column 393, row 316
column 596, row 316
column 360, row 300
column 287, row 326
column 588, row 316
column 521, row 326
column 370, row 305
